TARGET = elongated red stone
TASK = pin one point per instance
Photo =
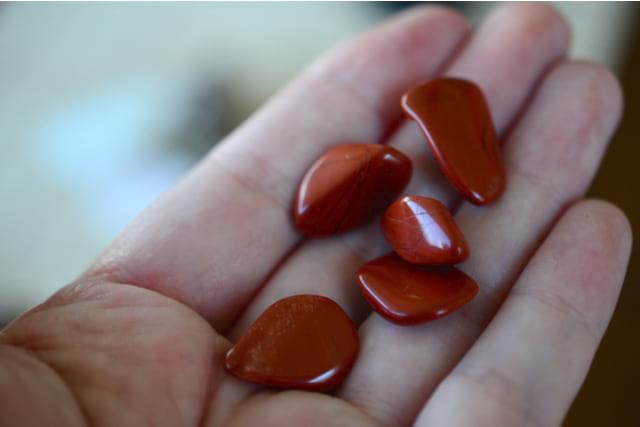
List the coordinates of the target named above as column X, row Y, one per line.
column 347, row 186
column 455, row 119
column 422, row 231
column 408, row 294
column 302, row 342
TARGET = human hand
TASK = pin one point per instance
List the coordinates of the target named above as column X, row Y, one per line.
column 139, row 339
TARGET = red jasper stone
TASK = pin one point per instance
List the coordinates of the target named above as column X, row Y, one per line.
column 347, row 186
column 303, row 342
column 455, row 119
column 422, row 231
column 407, row 294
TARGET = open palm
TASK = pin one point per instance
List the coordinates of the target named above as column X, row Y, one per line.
column 140, row 338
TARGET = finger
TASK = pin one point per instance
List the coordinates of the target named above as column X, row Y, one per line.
column 550, row 158
column 212, row 240
column 528, row 365
column 332, row 264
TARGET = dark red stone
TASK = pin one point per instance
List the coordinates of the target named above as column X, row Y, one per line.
column 302, row 342
column 408, row 294
column 422, row 231
column 347, row 186
column 455, row 119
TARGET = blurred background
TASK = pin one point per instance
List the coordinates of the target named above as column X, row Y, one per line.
column 103, row 106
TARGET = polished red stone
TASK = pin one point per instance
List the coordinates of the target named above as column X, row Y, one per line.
column 302, row 342
column 455, row 119
column 422, row 231
column 347, row 186
column 407, row 294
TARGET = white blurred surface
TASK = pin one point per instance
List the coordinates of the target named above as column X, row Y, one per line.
column 91, row 96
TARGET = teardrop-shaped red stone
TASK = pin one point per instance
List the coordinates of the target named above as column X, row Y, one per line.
column 408, row 294
column 422, row 231
column 455, row 119
column 302, row 342
column 347, row 186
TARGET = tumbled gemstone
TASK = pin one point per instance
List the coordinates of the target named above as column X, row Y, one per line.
column 408, row 294
column 454, row 117
column 422, row 231
column 300, row 342
column 347, row 186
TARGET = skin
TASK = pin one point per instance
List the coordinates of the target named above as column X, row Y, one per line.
column 140, row 337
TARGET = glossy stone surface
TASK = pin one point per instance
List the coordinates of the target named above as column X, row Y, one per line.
column 302, row 342
column 422, row 231
column 347, row 186
column 408, row 294
column 455, row 119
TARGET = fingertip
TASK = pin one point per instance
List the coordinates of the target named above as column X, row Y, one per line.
column 607, row 221
column 603, row 92
column 417, row 27
column 537, row 19
column 607, row 87
column 449, row 17
column 413, row 33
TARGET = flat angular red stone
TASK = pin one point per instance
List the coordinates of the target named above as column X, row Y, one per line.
column 303, row 342
column 455, row 119
column 408, row 294
column 422, row 231
column 347, row 186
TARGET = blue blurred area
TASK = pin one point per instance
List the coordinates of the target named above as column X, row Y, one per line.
column 104, row 150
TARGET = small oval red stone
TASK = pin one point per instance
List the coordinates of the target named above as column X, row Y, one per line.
column 455, row 119
column 422, row 231
column 347, row 186
column 302, row 342
column 408, row 294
